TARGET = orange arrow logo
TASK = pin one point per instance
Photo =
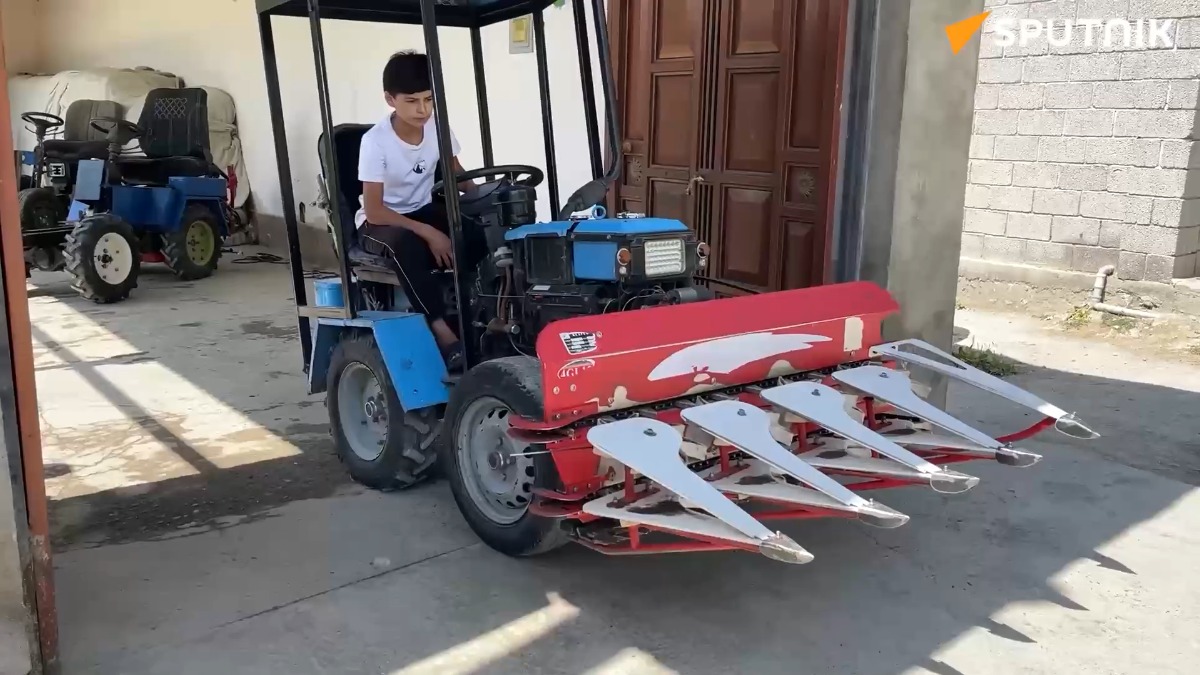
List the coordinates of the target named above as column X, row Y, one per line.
column 961, row 33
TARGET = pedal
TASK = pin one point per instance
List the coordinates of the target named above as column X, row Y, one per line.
column 923, row 354
column 651, row 448
column 909, row 437
column 748, row 428
column 826, row 406
column 895, row 387
column 758, row 480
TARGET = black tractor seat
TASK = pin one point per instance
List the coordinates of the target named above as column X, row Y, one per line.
column 74, row 151
column 159, row 170
column 362, row 258
column 174, row 138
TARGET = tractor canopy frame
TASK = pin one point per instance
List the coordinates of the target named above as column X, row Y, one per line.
column 430, row 15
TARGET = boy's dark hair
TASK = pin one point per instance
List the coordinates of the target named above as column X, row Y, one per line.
column 406, row 72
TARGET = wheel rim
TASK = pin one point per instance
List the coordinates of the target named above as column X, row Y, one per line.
column 113, row 258
column 363, row 412
column 496, row 471
column 200, row 242
column 45, row 216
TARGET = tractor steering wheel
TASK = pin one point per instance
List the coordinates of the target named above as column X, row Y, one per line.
column 43, row 122
column 534, row 176
column 106, row 125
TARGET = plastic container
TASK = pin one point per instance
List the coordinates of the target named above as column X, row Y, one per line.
column 328, row 292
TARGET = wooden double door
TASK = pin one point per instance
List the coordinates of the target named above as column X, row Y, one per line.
column 730, row 123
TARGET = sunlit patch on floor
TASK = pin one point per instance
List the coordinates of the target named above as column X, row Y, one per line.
column 477, row 653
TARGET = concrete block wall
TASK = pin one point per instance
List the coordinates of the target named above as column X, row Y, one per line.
column 1083, row 155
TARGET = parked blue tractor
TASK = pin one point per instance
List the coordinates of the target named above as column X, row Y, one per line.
column 100, row 215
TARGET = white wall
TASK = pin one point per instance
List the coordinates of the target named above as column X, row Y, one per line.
column 216, row 43
column 21, row 47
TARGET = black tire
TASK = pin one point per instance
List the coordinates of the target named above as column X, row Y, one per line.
column 81, row 259
column 40, row 208
column 515, row 382
column 190, row 260
column 409, row 452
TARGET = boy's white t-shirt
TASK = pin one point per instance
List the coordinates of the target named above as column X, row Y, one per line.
column 405, row 170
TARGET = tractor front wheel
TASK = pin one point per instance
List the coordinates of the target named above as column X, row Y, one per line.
column 102, row 254
column 491, row 475
column 192, row 250
column 383, row 446
column 40, row 209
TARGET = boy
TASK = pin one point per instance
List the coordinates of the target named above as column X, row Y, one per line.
column 398, row 166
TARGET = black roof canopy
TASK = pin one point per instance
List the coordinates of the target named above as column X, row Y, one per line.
column 458, row 13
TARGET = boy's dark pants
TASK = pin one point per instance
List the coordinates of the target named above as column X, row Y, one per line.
column 413, row 261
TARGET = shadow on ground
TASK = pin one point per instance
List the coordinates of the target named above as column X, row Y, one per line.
column 874, row 601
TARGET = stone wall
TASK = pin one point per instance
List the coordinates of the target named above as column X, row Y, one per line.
column 1082, row 155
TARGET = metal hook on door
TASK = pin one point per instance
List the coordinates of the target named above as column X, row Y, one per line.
column 693, row 181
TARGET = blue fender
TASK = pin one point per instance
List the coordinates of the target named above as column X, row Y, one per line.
column 409, row 351
column 211, row 191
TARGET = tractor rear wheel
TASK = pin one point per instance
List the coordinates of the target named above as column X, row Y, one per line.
column 491, row 475
column 102, row 253
column 192, row 250
column 40, row 208
column 383, row 446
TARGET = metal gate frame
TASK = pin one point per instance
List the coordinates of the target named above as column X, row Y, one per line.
column 20, row 431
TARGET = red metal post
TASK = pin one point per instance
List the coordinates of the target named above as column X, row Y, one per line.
column 21, row 344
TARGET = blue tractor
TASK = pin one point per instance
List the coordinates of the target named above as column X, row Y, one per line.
column 112, row 212
column 387, row 386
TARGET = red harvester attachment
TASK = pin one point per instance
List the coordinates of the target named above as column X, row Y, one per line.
column 665, row 424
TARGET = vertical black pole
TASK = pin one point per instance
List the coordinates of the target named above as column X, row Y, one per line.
column 481, row 96
column 851, row 214
column 287, row 195
column 539, row 41
column 442, row 117
column 603, row 51
column 579, row 10
column 314, row 23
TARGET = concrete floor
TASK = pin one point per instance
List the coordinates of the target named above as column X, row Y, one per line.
column 202, row 525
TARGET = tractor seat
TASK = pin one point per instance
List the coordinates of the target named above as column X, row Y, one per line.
column 361, row 257
column 159, row 170
column 74, row 151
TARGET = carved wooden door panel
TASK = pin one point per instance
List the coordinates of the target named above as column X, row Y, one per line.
column 658, row 45
column 730, row 121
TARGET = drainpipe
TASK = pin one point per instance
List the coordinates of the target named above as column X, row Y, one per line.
column 1096, row 301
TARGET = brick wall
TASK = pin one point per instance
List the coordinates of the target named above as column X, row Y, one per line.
column 1082, row 155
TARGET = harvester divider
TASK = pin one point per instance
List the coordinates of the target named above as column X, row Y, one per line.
column 923, row 354
column 895, row 387
column 651, row 448
column 826, row 406
column 904, row 433
column 662, row 512
column 837, row 456
column 759, row 480
column 748, row 428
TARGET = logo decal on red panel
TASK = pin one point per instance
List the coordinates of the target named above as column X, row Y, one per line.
column 573, row 368
column 725, row 355
column 579, row 342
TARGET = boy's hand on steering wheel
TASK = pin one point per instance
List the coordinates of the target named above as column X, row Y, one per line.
column 441, row 248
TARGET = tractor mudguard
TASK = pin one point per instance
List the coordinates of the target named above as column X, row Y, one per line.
column 159, row 209
column 409, row 351
column 606, row 362
column 211, row 191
